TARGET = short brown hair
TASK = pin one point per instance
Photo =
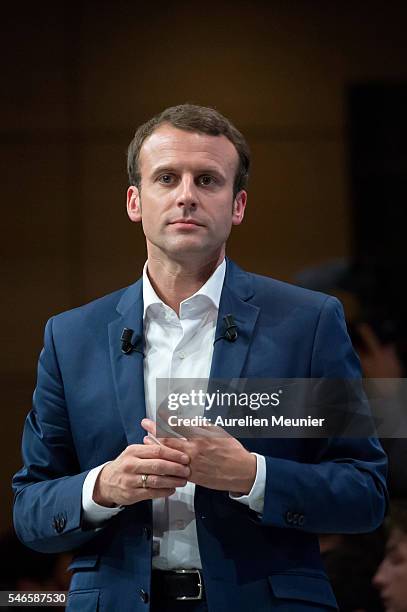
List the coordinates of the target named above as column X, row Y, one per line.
column 191, row 118
column 397, row 517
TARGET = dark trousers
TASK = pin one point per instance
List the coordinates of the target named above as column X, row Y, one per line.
column 278, row 605
column 159, row 604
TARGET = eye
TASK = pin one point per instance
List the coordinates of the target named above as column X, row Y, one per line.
column 206, row 180
column 396, row 558
column 166, row 179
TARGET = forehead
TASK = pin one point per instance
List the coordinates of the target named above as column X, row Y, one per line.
column 397, row 540
column 172, row 146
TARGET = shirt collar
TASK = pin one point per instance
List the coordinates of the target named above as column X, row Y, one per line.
column 212, row 289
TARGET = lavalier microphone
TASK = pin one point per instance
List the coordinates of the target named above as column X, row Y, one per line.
column 127, row 345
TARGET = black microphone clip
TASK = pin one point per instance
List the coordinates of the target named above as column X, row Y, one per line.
column 231, row 328
column 125, row 339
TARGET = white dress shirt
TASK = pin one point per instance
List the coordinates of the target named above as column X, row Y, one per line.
column 176, row 347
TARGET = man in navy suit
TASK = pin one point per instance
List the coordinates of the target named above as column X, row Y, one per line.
column 205, row 523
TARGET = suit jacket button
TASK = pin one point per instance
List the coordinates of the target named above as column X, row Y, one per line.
column 59, row 523
column 143, row 596
column 289, row 517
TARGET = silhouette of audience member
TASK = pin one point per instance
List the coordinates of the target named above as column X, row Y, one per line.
column 381, row 360
column 377, row 325
column 391, row 576
column 351, row 562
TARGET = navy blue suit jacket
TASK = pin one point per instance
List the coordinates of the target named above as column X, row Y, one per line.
column 88, row 405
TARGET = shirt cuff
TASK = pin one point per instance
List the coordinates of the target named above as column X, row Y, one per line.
column 93, row 513
column 255, row 498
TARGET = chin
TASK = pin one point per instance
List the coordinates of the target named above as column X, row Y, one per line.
column 189, row 246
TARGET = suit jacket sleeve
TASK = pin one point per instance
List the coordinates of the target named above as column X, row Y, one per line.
column 48, row 489
column 344, row 491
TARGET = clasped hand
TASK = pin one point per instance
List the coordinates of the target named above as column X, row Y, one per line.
column 216, row 459
column 206, row 456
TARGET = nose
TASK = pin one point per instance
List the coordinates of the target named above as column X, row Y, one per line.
column 379, row 579
column 187, row 195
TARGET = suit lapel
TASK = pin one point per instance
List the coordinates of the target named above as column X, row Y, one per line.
column 128, row 370
column 229, row 357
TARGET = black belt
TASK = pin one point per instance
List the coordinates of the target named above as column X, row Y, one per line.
column 180, row 584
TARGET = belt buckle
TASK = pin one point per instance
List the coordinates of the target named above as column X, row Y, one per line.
column 200, row 584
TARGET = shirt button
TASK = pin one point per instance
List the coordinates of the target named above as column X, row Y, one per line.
column 181, row 355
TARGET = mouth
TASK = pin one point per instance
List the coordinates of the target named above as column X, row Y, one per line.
column 186, row 223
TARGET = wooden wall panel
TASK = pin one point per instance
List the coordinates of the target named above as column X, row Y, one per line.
column 36, row 264
column 296, row 214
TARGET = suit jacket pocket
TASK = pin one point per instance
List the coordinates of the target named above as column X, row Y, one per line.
column 84, row 562
column 83, row 601
column 303, row 587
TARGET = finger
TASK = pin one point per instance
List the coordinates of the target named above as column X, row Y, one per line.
column 156, row 451
column 149, row 426
column 163, row 426
column 147, row 440
column 203, row 431
column 153, row 494
column 214, row 429
column 161, row 467
column 155, row 431
column 177, row 444
column 155, row 465
column 162, row 482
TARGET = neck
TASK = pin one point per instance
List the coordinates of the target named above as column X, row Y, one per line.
column 174, row 281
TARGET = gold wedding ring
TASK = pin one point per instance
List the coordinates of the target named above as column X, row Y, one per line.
column 144, row 480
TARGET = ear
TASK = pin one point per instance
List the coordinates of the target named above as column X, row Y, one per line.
column 133, row 204
column 239, row 205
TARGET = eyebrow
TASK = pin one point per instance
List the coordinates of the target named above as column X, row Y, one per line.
column 170, row 169
column 393, row 548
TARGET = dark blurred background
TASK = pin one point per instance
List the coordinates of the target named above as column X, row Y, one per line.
column 318, row 88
